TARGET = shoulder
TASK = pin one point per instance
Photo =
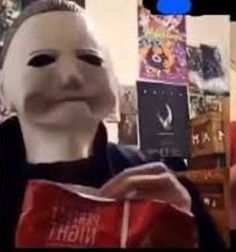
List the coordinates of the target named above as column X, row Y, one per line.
column 125, row 157
column 10, row 128
column 122, row 157
column 132, row 154
column 11, row 138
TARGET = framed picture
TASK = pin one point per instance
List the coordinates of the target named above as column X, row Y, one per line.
column 163, row 119
column 128, row 116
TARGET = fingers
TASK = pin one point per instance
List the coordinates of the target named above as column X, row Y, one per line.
column 150, row 168
column 163, row 187
column 158, row 184
column 146, row 169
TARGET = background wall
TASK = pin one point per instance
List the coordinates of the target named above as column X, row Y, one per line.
column 116, row 25
column 232, row 94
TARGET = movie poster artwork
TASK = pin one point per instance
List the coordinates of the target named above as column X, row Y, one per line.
column 163, row 119
column 9, row 10
column 206, row 71
column 195, row 74
column 128, row 116
column 211, row 62
column 202, row 103
column 197, row 105
column 214, row 103
column 162, row 48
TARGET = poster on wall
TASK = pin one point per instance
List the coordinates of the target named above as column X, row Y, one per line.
column 207, row 80
column 162, row 47
column 206, row 71
column 204, row 103
column 9, row 10
column 197, row 105
column 128, row 116
column 215, row 81
column 211, row 62
column 163, row 119
column 195, row 74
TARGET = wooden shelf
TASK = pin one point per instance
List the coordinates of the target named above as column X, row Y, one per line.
column 215, row 176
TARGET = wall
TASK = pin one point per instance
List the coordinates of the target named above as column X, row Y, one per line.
column 116, row 23
column 211, row 30
column 232, row 95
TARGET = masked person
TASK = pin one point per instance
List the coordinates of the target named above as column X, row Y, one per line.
column 56, row 77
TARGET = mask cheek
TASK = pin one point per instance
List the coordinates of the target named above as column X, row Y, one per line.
column 104, row 92
column 18, row 97
column 34, row 87
column 103, row 105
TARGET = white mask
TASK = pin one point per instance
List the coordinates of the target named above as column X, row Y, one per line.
column 56, row 74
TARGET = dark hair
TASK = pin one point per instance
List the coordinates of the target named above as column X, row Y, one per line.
column 37, row 7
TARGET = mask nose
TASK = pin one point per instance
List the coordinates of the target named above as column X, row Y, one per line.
column 71, row 75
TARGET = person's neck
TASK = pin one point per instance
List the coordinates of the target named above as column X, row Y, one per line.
column 45, row 145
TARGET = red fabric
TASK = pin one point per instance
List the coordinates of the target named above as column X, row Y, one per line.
column 55, row 217
column 233, row 174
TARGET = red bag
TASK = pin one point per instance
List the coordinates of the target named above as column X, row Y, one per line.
column 56, row 215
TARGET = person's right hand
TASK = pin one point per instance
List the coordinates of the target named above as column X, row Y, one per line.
column 149, row 181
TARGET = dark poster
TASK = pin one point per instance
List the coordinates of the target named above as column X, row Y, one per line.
column 195, row 75
column 206, row 70
column 214, row 73
column 211, row 62
column 163, row 119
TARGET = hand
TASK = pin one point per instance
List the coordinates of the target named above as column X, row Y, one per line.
column 149, row 181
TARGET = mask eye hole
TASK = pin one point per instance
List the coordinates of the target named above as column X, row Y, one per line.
column 91, row 59
column 41, row 60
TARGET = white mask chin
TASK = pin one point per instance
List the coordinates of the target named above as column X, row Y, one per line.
column 62, row 78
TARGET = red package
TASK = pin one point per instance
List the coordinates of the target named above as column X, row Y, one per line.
column 56, row 215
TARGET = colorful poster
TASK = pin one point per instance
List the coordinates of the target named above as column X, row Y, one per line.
column 128, row 116
column 163, row 119
column 162, row 47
